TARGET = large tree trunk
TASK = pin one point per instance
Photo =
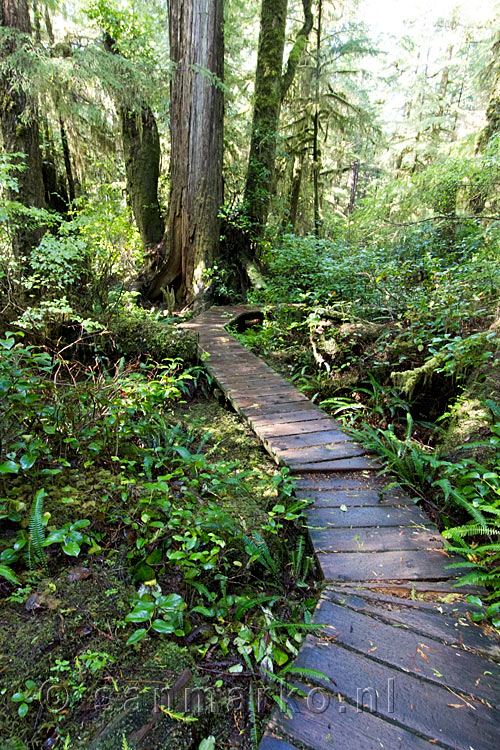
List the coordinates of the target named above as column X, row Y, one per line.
column 295, row 191
column 478, row 193
column 196, row 124
column 141, row 148
column 19, row 125
column 316, row 154
column 67, row 161
column 271, row 86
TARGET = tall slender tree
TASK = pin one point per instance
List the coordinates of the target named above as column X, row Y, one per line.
column 196, row 126
column 271, row 87
column 19, row 124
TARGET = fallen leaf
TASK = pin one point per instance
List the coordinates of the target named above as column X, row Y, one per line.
column 79, row 574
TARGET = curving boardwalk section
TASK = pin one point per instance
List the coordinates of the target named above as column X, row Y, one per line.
column 402, row 665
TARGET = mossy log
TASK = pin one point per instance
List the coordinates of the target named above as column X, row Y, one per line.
column 408, row 380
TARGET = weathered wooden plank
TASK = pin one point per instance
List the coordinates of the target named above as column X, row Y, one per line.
column 303, row 415
column 367, row 480
column 267, row 382
column 411, row 594
column 375, row 540
column 270, row 401
column 322, row 721
column 446, row 628
column 318, row 453
column 353, row 499
column 410, row 651
column 319, row 424
column 426, row 708
column 241, row 370
column 233, row 374
column 325, row 437
column 260, row 388
column 347, row 464
column 429, row 709
column 233, row 359
column 394, row 565
column 355, row 517
column 268, row 742
column 281, row 409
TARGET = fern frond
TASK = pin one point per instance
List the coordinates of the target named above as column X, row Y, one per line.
column 254, row 726
column 37, row 533
column 299, row 554
column 254, row 601
column 459, row 532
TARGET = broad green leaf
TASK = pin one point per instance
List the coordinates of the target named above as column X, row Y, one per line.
column 27, row 461
column 162, row 627
column 136, row 637
column 138, row 615
column 72, row 549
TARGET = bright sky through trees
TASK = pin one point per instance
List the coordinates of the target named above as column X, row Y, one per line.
column 397, row 18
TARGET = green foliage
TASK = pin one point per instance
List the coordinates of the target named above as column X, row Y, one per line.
column 25, row 697
column 13, row 213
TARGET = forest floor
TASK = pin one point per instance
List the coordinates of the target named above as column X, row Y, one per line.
column 64, row 632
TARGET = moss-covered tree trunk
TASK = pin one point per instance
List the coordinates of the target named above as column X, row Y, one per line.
column 316, row 151
column 19, row 126
column 478, row 193
column 295, row 190
column 271, row 86
column 67, row 161
column 196, row 125
column 141, row 149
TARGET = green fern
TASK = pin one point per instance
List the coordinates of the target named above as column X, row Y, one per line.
column 254, row 601
column 301, row 563
column 256, row 547
column 459, row 532
column 298, row 556
column 37, row 533
column 254, row 724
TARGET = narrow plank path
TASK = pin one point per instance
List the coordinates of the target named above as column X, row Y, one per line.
column 403, row 666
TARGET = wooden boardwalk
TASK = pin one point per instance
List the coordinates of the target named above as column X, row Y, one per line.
column 403, row 665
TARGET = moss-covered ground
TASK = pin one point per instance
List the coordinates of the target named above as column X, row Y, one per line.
column 69, row 679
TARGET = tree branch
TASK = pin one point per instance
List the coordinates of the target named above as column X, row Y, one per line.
column 440, row 217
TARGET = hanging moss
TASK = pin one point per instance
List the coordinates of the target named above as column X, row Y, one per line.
column 408, row 380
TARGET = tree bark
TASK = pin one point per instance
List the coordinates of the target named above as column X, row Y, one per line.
column 56, row 195
column 141, row 148
column 196, row 125
column 353, row 186
column 271, row 86
column 67, row 161
column 295, row 192
column 479, row 187
column 316, row 155
column 20, row 132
